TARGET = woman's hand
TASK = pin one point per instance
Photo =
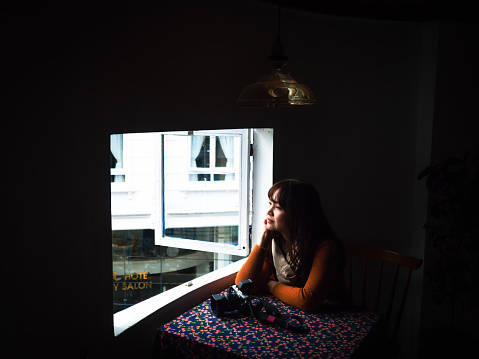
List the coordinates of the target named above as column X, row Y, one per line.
column 270, row 285
column 266, row 237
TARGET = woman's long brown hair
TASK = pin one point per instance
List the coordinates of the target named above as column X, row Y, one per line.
column 308, row 224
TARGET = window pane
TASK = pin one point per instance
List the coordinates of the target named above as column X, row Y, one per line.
column 224, row 234
column 200, row 177
column 190, row 212
column 224, row 177
column 142, row 269
column 224, row 157
column 118, row 178
column 220, row 158
column 116, row 157
column 225, row 151
column 116, row 151
column 200, row 151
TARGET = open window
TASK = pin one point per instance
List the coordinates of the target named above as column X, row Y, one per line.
column 205, row 191
column 185, row 208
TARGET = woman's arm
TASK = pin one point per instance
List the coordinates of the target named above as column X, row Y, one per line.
column 256, row 269
column 320, row 280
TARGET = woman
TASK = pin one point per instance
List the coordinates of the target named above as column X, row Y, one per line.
column 297, row 258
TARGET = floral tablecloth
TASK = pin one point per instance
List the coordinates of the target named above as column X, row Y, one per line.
column 333, row 332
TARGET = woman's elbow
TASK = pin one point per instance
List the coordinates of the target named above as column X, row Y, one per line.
column 310, row 305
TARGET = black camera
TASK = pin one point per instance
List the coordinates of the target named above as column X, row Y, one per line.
column 237, row 298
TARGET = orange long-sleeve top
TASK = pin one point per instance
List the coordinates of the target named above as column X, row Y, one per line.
column 325, row 281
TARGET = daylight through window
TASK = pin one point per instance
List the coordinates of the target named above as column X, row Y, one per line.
column 180, row 206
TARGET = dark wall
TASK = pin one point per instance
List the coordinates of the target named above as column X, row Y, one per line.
column 456, row 127
column 76, row 74
column 455, row 133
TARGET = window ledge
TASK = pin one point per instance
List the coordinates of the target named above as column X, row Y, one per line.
column 122, row 189
column 134, row 314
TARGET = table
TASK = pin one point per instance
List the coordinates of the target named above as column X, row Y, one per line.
column 333, row 332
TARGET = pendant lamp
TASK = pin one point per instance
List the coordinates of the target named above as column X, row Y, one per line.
column 277, row 88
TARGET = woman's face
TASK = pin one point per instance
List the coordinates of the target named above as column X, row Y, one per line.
column 276, row 218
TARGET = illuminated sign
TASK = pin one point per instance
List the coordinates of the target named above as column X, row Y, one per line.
column 133, row 281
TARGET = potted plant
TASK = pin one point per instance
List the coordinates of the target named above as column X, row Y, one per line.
column 452, row 226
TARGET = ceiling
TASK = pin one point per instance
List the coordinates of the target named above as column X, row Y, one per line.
column 396, row 10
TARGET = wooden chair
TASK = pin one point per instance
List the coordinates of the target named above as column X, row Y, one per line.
column 361, row 261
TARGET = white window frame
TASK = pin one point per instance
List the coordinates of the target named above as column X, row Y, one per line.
column 185, row 296
column 242, row 183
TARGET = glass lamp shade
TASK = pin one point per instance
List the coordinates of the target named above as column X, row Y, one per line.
column 277, row 89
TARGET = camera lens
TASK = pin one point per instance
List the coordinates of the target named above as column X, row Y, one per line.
column 218, row 304
column 225, row 303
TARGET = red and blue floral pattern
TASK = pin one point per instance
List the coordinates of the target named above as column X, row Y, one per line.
column 333, row 332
